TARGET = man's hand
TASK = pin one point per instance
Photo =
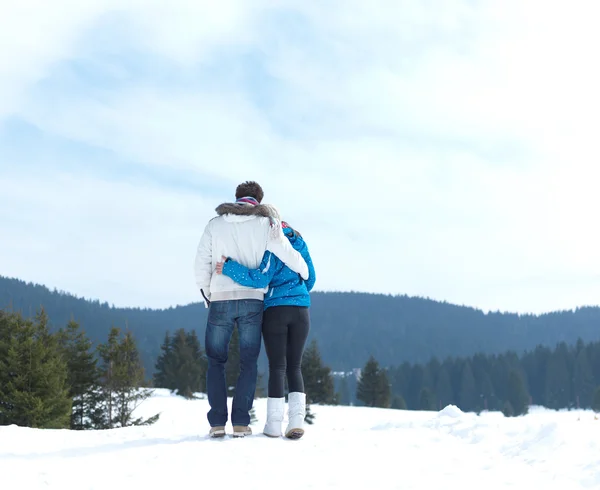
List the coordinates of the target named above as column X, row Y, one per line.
column 219, row 268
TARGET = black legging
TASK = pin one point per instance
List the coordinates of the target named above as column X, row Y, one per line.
column 285, row 329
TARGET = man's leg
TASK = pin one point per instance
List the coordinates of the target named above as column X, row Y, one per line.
column 218, row 334
column 249, row 322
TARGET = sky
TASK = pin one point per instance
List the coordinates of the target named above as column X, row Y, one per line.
column 437, row 149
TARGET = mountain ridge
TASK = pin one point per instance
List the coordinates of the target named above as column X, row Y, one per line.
column 349, row 326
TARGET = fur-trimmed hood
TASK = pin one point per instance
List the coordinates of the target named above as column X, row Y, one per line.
column 243, row 210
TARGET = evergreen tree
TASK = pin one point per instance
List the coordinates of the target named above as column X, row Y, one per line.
column 33, row 374
column 385, row 397
column 83, row 375
column 373, row 388
column 443, row 387
column 517, row 393
column 507, row 409
column 534, row 364
column 486, row 390
column 558, row 380
column 398, row 403
column 318, row 381
column 200, row 364
column 596, row 400
column 189, row 368
column 420, row 378
column 468, row 395
column 427, row 400
column 163, row 375
column 400, row 378
column 181, row 367
column 123, row 381
column 583, row 379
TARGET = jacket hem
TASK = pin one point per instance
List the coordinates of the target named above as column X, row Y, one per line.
column 239, row 294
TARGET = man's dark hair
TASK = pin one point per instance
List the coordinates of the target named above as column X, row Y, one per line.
column 250, row 189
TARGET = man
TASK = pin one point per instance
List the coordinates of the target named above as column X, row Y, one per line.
column 243, row 230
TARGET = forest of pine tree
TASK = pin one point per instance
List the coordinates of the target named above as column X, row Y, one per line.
column 563, row 377
column 57, row 380
column 33, row 374
column 400, row 328
column 181, row 367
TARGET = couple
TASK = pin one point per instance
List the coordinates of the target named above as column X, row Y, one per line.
column 255, row 271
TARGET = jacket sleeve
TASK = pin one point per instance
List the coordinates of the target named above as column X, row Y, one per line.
column 203, row 265
column 281, row 246
column 310, row 282
column 253, row 278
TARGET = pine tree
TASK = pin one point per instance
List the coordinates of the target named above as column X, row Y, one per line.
column 199, row 364
column 420, row 378
column 558, row 381
column 181, row 367
column 443, row 387
column 33, row 374
column 83, row 375
column 398, row 403
column 596, row 400
column 517, row 393
column 163, row 375
column 583, row 379
column 318, row 380
column 123, row 381
column 385, row 397
column 507, row 410
column 486, row 390
column 468, row 394
column 400, row 377
column 189, row 370
column 374, row 388
column 427, row 400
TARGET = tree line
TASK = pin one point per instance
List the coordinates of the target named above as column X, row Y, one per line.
column 563, row 377
column 401, row 328
column 57, row 380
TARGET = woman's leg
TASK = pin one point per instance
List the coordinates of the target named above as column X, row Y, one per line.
column 297, row 333
column 275, row 337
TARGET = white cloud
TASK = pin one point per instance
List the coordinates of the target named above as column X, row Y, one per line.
column 456, row 143
column 118, row 242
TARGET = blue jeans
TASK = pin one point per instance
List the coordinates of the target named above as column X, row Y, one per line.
column 222, row 317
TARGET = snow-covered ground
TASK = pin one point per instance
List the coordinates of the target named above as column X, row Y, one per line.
column 347, row 447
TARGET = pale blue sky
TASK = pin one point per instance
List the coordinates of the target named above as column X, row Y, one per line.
column 444, row 150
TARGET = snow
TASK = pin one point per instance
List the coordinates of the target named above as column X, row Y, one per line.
column 346, row 448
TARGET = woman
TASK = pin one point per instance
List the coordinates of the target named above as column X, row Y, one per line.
column 286, row 323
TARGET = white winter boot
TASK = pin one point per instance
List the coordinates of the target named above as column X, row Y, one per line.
column 296, row 414
column 275, row 409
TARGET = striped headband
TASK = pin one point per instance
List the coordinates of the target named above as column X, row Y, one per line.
column 247, row 200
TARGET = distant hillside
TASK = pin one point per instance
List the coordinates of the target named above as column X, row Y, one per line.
column 348, row 326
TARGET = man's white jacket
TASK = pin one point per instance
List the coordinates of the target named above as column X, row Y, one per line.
column 244, row 233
